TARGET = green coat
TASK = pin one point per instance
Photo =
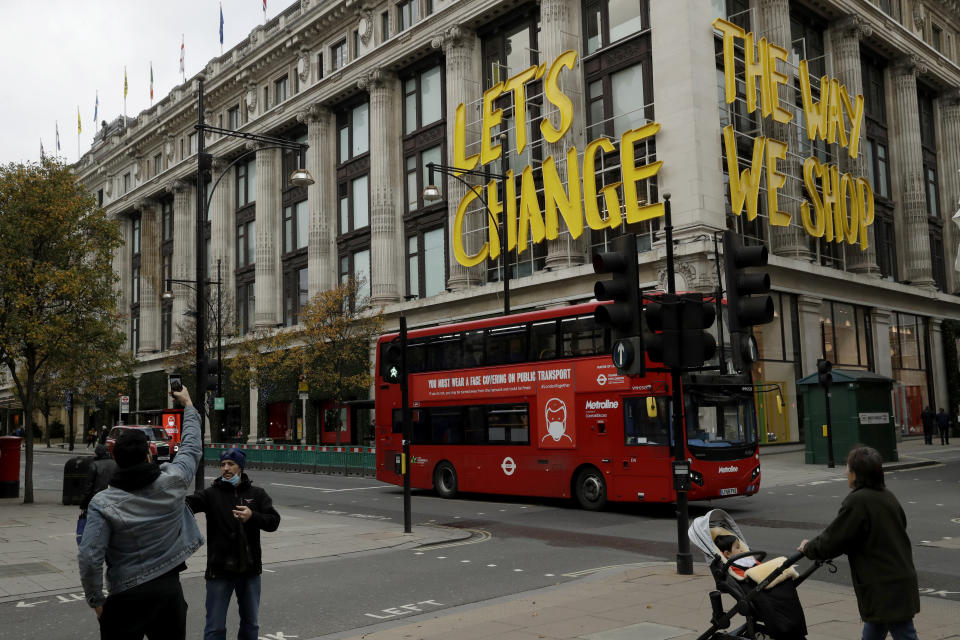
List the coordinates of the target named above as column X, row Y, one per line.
column 871, row 529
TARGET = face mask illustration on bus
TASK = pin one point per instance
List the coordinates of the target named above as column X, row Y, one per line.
column 555, row 412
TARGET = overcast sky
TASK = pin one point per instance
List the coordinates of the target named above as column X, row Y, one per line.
column 59, row 53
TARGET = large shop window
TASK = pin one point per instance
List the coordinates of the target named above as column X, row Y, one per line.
column 845, row 335
column 426, row 263
column 909, row 350
column 928, row 141
column 876, row 150
column 246, row 182
column 607, row 21
column 619, row 94
column 246, row 306
column 246, row 243
column 353, row 130
column 422, row 99
column 295, row 293
column 356, row 265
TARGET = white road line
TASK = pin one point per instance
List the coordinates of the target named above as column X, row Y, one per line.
column 324, row 489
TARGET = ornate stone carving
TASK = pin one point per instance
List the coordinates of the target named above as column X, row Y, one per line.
column 918, row 17
column 178, row 186
column 366, row 26
column 313, row 113
column 452, row 37
column 303, row 65
column 854, row 26
column 375, row 78
column 911, row 64
column 252, row 98
column 108, row 187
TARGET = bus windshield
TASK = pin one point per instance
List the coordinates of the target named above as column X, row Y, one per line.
column 720, row 419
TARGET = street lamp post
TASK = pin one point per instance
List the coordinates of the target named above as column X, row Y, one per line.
column 168, row 295
column 432, row 193
column 300, row 177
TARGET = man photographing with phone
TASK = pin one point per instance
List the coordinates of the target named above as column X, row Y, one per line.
column 141, row 527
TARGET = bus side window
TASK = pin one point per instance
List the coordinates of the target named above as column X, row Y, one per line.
column 397, row 421
column 543, row 340
column 416, row 355
column 474, row 429
column 446, row 425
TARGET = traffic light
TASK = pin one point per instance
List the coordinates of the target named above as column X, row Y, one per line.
column 210, row 376
column 696, row 344
column 746, row 307
column 824, row 375
column 678, row 324
column 663, row 320
column 623, row 316
column 390, row 362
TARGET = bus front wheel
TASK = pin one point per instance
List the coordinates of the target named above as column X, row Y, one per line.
column 445, row 480
column 591, row 489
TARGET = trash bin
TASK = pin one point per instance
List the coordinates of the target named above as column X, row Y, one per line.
column 10, row 466
column 861, row 412
column 75, row 478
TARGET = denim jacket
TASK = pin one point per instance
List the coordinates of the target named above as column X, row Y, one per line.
column 145, row 533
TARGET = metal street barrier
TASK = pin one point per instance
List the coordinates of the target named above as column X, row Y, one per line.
column 340, row 461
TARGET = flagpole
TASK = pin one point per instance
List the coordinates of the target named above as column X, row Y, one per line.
column 124, row 96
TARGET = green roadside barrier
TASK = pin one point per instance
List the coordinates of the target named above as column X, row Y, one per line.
column 341, row 461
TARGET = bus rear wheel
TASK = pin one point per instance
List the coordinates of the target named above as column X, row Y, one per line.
column 445, row 480
column 591, row 489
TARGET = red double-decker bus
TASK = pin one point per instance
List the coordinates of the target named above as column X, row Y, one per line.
column 531, row 404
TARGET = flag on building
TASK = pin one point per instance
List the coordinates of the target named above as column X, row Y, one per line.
column 42, row 155
column 151, row 81
column 79, row 122
column 264, row 10
column 124, row 83
column 56, row 128
column 96, row 109
column 221, row 24
column 181, row 53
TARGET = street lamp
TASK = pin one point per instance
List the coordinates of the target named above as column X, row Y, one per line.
column 300, row 177
column 431, row 193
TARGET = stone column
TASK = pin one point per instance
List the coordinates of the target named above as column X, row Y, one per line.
column 845, row 36
column 269, row 277
column 150, row 277
column 184, row 250
column 688, row 143
column 773, row 23
column 808, row 310
column 121, row 267
column 321, row 198
column 881, row 319
column 907, row 173
column 461, row 49
column 559, row 21
column 223, row 233
column 386, row 224
column 950, row 182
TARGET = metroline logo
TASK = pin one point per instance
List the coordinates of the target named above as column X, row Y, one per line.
column 602, row 404
column 730, row 469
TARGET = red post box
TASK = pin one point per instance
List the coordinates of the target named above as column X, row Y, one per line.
column 10, row 466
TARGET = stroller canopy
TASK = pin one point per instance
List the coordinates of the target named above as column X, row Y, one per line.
column 700, row 535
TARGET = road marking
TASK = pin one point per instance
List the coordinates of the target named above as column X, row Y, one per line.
column 478, row 535
column 324, row 489
column 403, row 610
column 518, row 570
column 277, row 635
column 27, row 605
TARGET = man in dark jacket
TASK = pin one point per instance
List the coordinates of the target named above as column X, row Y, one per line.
column 943, row 426
column 98, row 477
column 928, row 418
column 236, row 512
column 871, row 528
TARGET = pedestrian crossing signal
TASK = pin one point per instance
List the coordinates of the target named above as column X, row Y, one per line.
column 391, row 369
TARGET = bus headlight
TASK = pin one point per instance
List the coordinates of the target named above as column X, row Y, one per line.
column 755, row 472
column 696, row 477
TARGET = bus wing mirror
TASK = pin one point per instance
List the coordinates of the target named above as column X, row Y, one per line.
column 651, row 407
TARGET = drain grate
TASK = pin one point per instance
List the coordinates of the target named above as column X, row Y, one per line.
column 26, row 569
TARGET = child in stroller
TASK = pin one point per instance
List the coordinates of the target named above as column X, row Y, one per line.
column 765, row 592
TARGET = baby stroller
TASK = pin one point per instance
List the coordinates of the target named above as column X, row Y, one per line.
column 765, row 594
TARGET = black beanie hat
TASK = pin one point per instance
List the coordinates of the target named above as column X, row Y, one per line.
column 131, row 448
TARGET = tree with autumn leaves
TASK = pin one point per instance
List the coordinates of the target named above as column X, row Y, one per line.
column 58, row 306
column 330, row 347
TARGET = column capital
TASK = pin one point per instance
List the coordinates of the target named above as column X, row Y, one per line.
column 455, row 36
column 145, row 203
column 854, row 26
column 178, row 186
column 950, row 96
column 314, row 113
column 220, row 164
column 376, row 79
column 908, row 65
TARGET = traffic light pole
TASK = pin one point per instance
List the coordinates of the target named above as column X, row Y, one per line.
column 684, row 557
column 200, row 392
column 405, row 421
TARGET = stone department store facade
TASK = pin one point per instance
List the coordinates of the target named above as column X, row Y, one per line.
column 373, row 88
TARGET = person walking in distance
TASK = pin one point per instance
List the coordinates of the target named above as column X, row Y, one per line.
column 943, row 426
column 140, row 527
column 236, row 513
column 928, row 418
column 871, row 529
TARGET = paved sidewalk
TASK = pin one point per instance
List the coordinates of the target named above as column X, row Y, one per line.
column 38, row 548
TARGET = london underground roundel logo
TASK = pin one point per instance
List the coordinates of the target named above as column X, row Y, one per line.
column 508, row 466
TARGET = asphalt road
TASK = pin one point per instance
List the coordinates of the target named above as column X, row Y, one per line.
column 518, row 544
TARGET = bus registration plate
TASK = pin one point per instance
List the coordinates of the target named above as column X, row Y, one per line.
column 732, row 491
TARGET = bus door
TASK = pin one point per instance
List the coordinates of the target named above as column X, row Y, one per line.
column 645, row 457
